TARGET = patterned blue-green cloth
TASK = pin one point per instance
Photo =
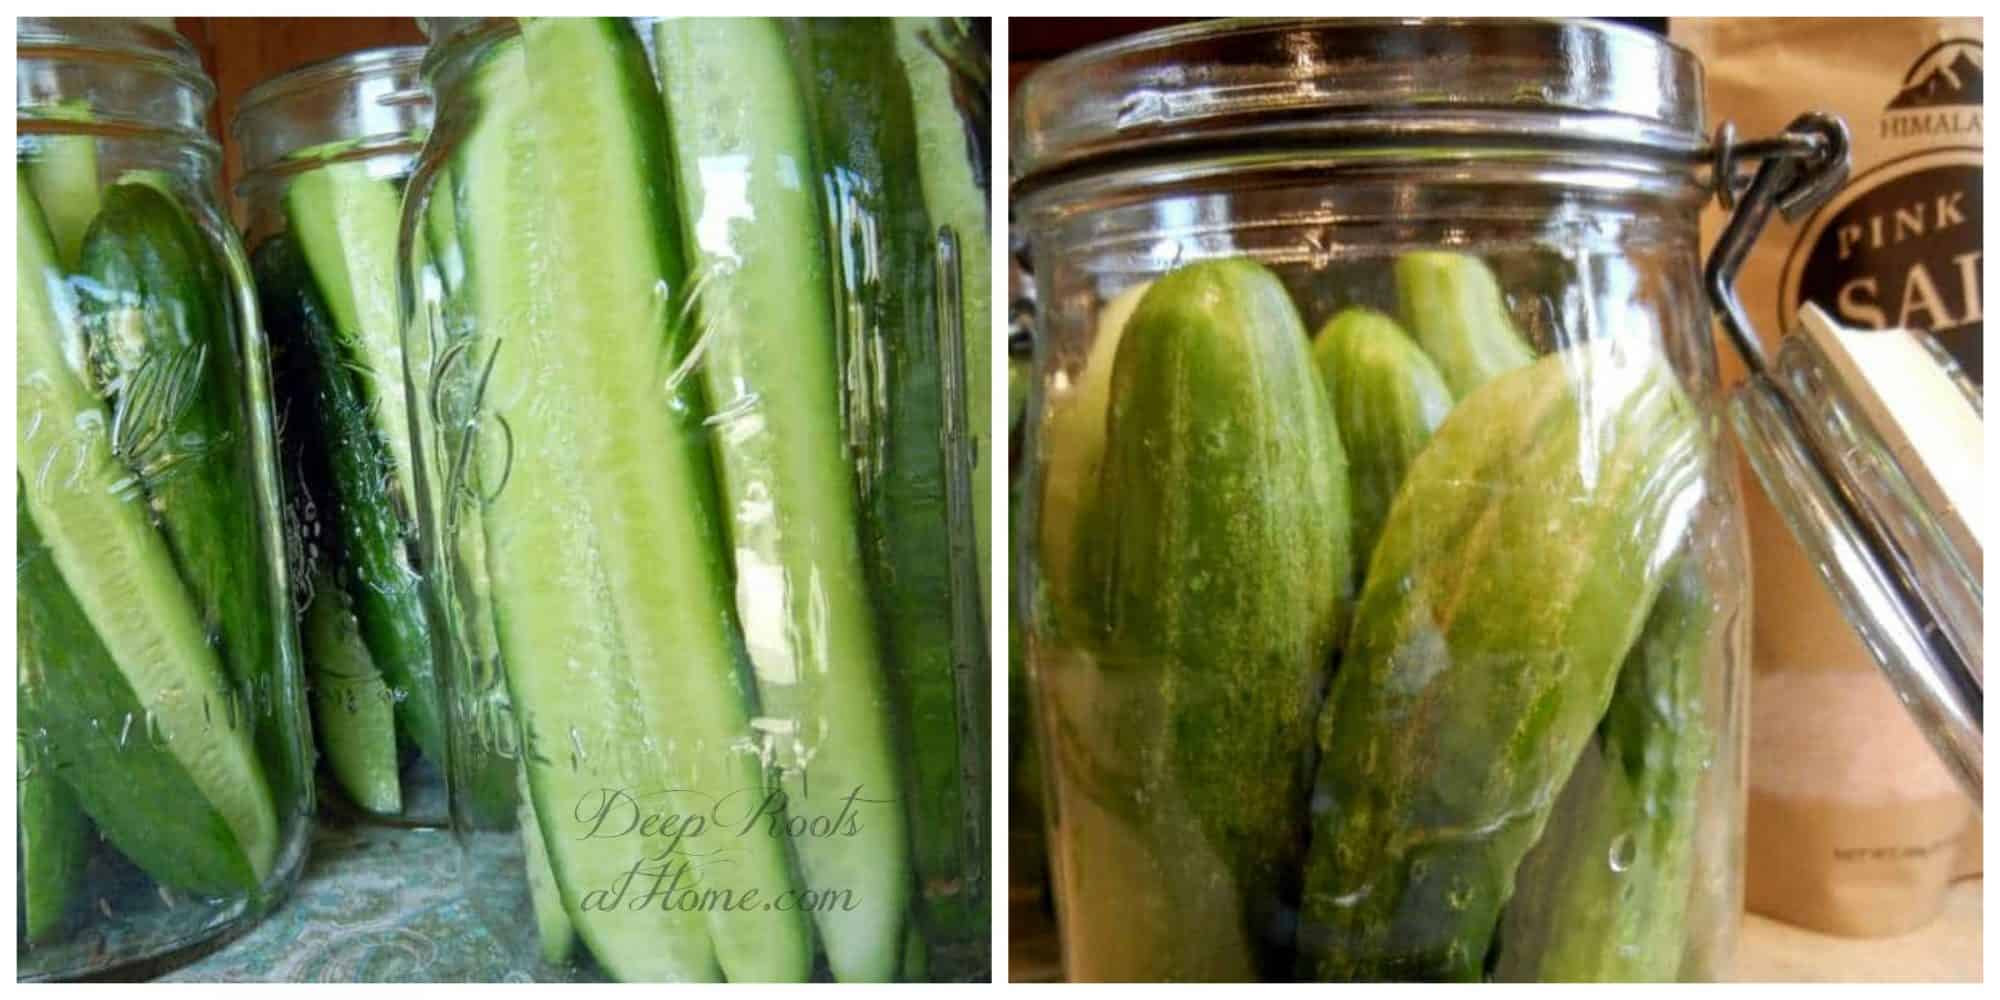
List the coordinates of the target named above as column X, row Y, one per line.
column 376, row 904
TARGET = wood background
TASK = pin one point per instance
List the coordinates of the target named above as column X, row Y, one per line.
column 241, row 52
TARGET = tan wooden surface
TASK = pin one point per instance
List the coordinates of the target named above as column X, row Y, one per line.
column 1946, row 950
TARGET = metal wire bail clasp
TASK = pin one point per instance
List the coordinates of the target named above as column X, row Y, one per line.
column 1797, row 170
column 1839, row 466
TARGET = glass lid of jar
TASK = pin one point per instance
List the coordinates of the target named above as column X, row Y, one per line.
column 1236, row 82
column 1869, row 444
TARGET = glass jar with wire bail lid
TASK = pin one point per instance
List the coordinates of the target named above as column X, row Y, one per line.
column 694, row 480
column 162, row 789
column 1383, row 565
column 326, row 151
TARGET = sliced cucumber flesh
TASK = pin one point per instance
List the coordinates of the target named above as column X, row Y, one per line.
column 614, row 298
column 62, row 171
column 346, row 223
column 54, row 836
column 566, row 673
column 351, row 703
column 790, row 505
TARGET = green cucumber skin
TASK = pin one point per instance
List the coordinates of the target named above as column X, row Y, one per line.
column 1222, row 548
column 171, row 831
column 296, row 322
column 491, row 795
column 54, row 845
column 787, row 486
column 955, row 200
column 1573, row 917
column 351, row 704
column 336, row 470
column 360, row 401
column 54, row 836
column 1388, row 398
column 867, row 135
column 1454, row 669
column 163, row 348
column 1453, row 306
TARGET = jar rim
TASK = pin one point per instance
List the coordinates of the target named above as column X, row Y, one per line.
column 1232, row 82
column 338, row 69
column 452, row 39
column 129, row 39
column 355, row 105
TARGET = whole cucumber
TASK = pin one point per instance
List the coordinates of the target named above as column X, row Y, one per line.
column 1603, row 896
column 1453, row 305
column 1513, row 573
column 1387, row 398
column 52, row 833
column 1221, row 548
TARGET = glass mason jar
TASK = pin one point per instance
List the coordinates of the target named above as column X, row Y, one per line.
column 326, row 151
column 694, row 485
column 162, row 783
column 1384, row 569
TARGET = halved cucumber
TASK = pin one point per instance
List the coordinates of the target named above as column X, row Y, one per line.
column 866, row 132
column 441, row 233
column 566, row 670
column 552, row 926
column 614, row 299
column 344, row 223
column 207, row 822
column 958, row 203
column 773, row 383
column 62, row 171
column 357, row 728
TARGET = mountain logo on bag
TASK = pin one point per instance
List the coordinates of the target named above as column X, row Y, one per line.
column 1901, row 245
column 1942, row 96
column 1951, row 74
